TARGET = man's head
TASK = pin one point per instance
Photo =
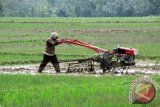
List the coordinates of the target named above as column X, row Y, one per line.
column 54, row 36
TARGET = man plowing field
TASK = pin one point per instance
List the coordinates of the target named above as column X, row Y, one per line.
column 49, row 53
column 116, row 60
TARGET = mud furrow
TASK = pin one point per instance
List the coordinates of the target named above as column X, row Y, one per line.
column 142, row 68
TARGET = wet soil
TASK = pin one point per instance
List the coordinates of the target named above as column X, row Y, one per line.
column 141, row 67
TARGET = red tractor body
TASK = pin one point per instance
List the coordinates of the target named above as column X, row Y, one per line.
column 128, row 51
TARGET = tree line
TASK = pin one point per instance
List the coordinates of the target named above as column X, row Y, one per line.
column 79, row 8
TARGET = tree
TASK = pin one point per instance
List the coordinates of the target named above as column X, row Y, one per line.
column 1, row 7
column 155, row 7
column 27, row 8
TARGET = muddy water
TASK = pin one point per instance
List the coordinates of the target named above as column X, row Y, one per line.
column 141, row 67
column 29, row 69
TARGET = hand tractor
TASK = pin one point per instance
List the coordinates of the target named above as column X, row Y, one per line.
column 116, row 60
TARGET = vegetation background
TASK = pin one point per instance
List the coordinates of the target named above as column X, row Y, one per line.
column 79, row 8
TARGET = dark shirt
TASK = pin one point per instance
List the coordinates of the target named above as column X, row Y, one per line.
column 50, row 47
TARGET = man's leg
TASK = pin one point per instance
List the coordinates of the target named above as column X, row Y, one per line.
column 55, row 63
column 43, row 63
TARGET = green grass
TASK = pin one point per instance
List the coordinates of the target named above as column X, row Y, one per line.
column 58, row 26
column 22, row 42
column 103, row 19
column 22, row 39
column 68, row 91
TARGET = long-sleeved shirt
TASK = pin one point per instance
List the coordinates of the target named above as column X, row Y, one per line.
column 50, row 47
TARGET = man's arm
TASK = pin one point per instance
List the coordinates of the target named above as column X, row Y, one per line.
column 51, row 42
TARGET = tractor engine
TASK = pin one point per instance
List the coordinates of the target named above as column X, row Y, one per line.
column 120, row 57
column 125, row 55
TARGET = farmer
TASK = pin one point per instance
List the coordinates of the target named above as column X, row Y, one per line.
column 49, row 53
